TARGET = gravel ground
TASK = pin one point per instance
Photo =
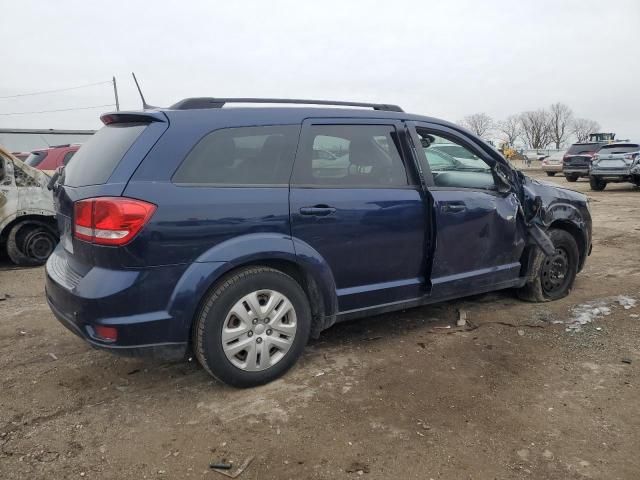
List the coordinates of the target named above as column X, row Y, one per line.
column 393, row 396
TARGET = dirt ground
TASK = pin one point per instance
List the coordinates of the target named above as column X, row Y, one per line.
column 387, row 397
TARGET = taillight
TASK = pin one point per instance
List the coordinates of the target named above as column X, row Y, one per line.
column 110, row 220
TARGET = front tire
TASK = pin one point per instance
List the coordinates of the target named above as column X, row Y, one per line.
column 551, row 174
column 252, row 327
column 553, row 276
column 597, row 184
column 571, row 178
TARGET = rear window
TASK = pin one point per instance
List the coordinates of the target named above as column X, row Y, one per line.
column 583, row 148
column 630, row 147
column 36, row 158
column 241, row 156
column 94, row 163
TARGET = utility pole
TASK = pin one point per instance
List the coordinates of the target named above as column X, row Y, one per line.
column 115, row 92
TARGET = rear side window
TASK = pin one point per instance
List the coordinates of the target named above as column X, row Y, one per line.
column 241, row 156
column 36, row 158
column 94, row 163
column 350, row 155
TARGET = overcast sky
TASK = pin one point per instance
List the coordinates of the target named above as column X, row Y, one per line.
column 440, row 58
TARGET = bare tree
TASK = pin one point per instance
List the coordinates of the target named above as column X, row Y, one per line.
column 478, row 123
column 536, row 128
column 583, row 127
column 560, row 120
column 510, row 128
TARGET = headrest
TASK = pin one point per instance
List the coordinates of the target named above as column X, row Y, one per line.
column 225, row 151
column 363, row 152
column 272, row 146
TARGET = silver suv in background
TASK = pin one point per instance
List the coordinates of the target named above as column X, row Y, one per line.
column 617, row 162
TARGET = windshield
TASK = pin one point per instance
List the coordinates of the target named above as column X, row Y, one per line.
column 577, row 149
column 439, row 160
column 441, row 155
column 36, row 158
column 455, row 150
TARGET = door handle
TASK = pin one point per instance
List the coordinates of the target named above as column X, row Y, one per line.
column 453, row 207
column 317, row 210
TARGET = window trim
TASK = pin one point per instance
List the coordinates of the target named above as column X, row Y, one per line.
column 403, row 152
column 236, row 185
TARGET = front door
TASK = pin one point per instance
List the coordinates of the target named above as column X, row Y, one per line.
column 479, row 241
column 354, row 202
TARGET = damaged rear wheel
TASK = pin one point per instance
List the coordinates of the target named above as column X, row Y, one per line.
column 30, row 243
column 552, row 276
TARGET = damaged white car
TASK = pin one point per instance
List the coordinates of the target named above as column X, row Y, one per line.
column 27, row 218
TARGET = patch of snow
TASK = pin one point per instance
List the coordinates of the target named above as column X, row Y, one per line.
column 588, row 312
column 626, row 302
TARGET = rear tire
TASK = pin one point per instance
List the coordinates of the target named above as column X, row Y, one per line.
column 551, row 174
column 571, row 178
column 249, row 348
column 597, row 184
column 552, row 277
column 30, row 243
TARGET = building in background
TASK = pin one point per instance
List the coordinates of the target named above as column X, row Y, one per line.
column 26, row 140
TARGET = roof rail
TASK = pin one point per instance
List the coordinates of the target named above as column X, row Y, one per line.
column 210, row 102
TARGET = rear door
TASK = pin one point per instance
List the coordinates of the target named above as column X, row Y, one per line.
column 478, row 238
column 355, row 203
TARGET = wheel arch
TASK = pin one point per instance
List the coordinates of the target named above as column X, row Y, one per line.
column 310, row 270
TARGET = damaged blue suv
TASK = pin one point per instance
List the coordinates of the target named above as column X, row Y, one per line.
column 239, row 233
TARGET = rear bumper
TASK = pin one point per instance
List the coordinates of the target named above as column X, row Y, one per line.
column 611, row 173
column 582, row 171
column 134, row 302
column 159, row 350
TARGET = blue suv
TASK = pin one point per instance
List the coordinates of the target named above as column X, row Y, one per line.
column 239, row 233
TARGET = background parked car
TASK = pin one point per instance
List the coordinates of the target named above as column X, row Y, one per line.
column 577, row 161
column 21, row 155
column 552, row 164
column 618, row 162
column 49, row 159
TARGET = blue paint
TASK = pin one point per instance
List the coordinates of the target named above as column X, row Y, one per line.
column 374, row 250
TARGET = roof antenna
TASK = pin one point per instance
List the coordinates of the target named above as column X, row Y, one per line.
column 145, row 105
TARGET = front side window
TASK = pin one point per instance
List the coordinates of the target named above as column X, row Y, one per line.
column 453, row 164
column 350, row 155
column 241, row 156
